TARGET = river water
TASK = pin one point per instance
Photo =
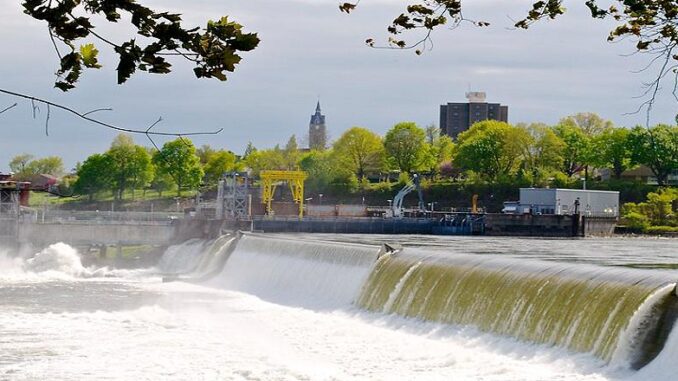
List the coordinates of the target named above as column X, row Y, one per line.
column 303, row 308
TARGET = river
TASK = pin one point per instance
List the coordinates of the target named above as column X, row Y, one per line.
column 324, row 307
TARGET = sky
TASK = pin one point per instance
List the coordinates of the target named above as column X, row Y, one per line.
column 311, row 51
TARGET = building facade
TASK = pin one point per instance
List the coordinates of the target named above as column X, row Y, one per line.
column 569, row 201
column 456, row 118
column 317, row 131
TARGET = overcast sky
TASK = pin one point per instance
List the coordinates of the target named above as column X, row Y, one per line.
column 310, row 50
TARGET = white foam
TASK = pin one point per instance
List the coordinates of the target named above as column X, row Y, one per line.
column 58, row 257
column 10, row 266
column 182, row 258
column 298, row 273
column 225, row 335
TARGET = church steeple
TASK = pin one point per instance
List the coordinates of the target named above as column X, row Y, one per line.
column 317, row 132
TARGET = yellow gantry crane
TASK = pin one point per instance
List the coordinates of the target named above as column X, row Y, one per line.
column 295, row 180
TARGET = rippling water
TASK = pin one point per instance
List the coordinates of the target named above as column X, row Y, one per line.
column 102, row 324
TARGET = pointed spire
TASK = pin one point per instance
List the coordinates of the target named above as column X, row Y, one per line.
column 317, row 108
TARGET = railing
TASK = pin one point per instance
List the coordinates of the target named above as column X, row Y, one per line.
column 334, row 219
column 102, row 217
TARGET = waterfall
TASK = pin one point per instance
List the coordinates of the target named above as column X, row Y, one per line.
column 581, row 307
column 182, row 258
column 624, row 316
column 196, row 260
column 310, row 274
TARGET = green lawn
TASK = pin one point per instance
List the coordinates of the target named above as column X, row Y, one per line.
column 38, row 199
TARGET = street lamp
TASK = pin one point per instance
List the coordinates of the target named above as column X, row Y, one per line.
column 320, row 195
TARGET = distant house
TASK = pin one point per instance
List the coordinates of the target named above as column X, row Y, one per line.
column 641, row 174
column 43, row 182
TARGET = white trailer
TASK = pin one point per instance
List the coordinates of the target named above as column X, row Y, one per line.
column 569, row 201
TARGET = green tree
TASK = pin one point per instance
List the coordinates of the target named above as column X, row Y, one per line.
column 177, row 159
column 612, row 150
column 19, row 163
column 218, row 163
column 205, row 153
column 325, row 173
column 542, row 151
column 50, row 165
column 291, row 153
column 492, row 149
column 360, row 150
column 161, row 182
column 248, row 150
column 131, row 166
column 141, row 170
column 94, row 175
column 25, row 166
column 405, row 145
column 657, row 148
column 577, row 150
column 440, row 148
column 268, row 159
column 658, row 210
column 592, row 124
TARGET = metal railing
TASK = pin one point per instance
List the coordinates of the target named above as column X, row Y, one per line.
column 102, row 217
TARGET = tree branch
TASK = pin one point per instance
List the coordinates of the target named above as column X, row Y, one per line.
column 8, row 107
column 104, row 124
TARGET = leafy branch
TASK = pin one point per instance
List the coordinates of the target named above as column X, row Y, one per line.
column 214, row 50
column 653, row 24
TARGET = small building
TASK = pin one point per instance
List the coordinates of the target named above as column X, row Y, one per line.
column 641, row 174
column 13, row 194
column 570, row 201
column 43, row 181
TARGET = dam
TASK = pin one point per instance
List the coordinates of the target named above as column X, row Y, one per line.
column 331, row 306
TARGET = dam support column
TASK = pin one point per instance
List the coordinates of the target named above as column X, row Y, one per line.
column 103, row 251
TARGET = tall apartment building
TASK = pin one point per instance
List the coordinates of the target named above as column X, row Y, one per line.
column 456, row 118
column 317, row 131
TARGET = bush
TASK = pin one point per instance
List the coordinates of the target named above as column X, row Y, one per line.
column 403, row 178
column 661, row 229
column 636, row 220
column 655, row 216
column 561, row 180
column 382, row 186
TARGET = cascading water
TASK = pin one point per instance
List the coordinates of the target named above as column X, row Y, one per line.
column 197, row 261
column 583, row 308
column 623, row 316
column 183, row 258
column 215, row 256
column 297, row 272
column 58, row 257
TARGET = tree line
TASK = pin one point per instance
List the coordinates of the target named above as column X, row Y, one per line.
column 489, row 152
column 126, row 167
